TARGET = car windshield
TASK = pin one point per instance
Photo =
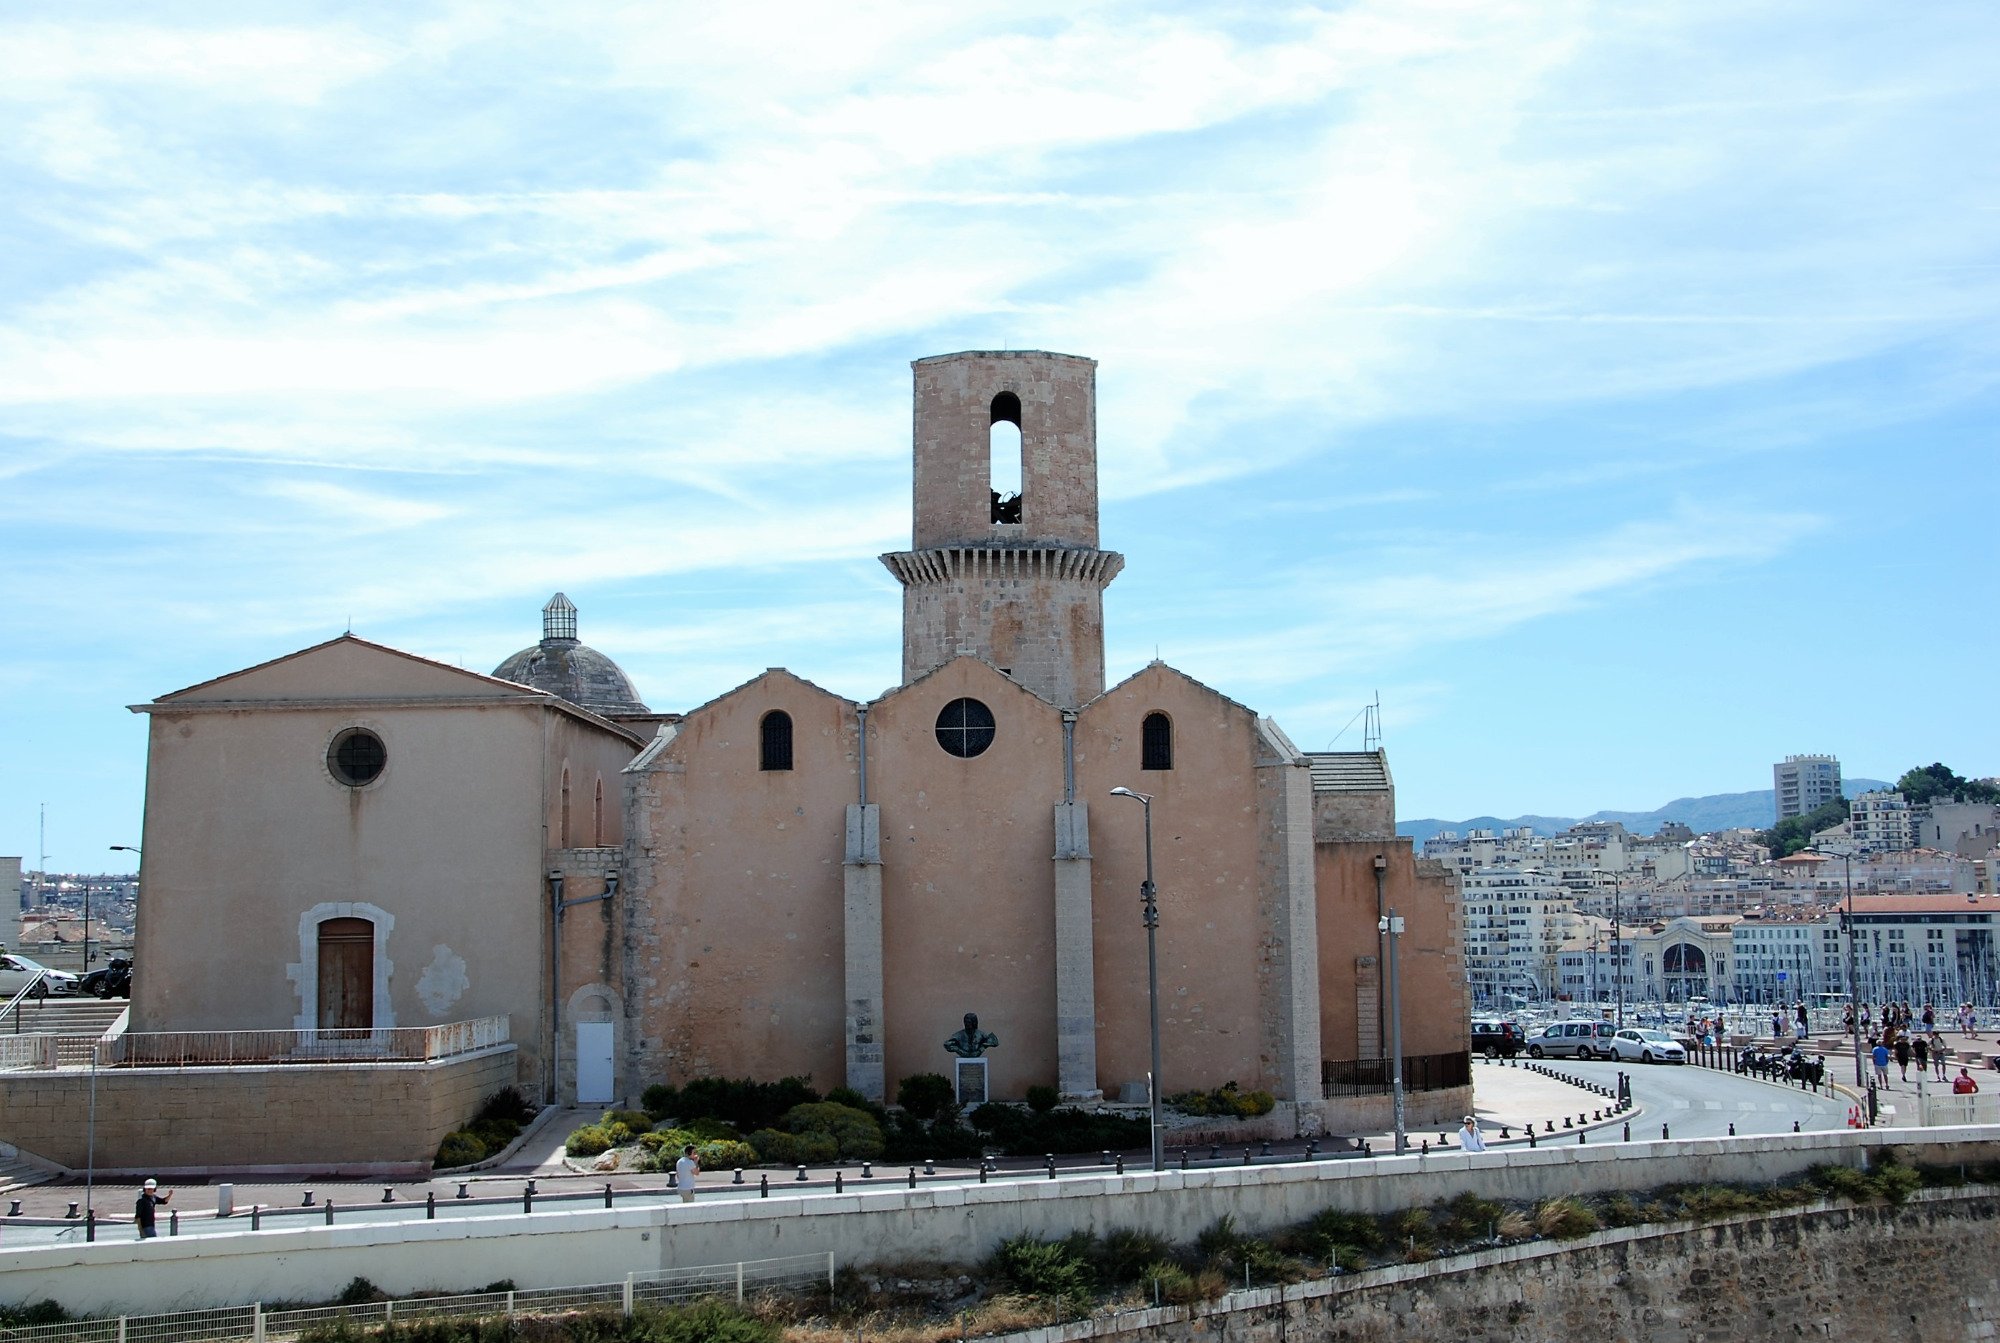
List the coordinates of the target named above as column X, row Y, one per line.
column 1660, row 1036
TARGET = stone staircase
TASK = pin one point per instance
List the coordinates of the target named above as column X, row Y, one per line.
column 79, row 1017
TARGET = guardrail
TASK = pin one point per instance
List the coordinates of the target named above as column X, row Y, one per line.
column 27, row 1053
column 728, row 1281
column 397, row 1044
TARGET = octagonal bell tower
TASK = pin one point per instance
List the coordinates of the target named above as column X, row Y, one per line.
column 1016, row 579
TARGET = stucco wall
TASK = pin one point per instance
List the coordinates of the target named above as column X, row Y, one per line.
column 1436, row 1006
column 734, row 924
column 1207, row 834
column 322, row 1116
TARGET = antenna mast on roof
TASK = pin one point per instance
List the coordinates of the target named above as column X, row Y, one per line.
column 1371, row 725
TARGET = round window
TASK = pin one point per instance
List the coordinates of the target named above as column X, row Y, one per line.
column 356, row 757
column 965, row 728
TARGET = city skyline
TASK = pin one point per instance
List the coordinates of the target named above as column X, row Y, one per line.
column 1609, row 390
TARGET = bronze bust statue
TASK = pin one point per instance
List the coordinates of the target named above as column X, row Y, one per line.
column 971, row 1042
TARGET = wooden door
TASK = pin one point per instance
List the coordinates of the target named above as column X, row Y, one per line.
column 346, row 974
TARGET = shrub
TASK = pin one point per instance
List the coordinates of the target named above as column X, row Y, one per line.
column 794, row 1149
column 740, row 1102
column 992, row 1117
column 507, row 1103
column 709, row 1321
column 660, row 1101
column 724, row 1153
column 1225, row 1101
column 1469, row 1217
column 1169, row 1283
column 1125, row 1255
column 359, row 1291
column 926, row 1095
column 856, row 1135
column 1334, row 1229
column 635, row 1121
column 41, row 1312
column 1046, row 1268
column 459, row 1149
column 590, row 1140
column 1621, row 1210
column 1514, row 1225
column 1843, row 1182
column 1042, row 1099
column 1218, row 1240
column 1564, row 1218
column 666, row 1140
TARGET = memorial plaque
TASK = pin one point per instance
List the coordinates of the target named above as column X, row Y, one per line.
column 971, row 1081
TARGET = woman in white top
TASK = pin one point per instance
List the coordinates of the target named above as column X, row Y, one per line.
column 1469, row 1138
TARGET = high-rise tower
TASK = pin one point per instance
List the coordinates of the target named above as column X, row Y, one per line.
column 1016, row 579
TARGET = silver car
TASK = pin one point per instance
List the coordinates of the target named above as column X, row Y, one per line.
column 1572, row 1039
column 17, row 972
column 1646, row 1045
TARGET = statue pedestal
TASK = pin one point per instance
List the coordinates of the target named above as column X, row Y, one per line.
column 970, row 1078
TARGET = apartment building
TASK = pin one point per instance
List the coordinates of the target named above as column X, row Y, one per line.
column 1805, row 782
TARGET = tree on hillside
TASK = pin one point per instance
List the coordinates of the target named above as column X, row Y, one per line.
column 1793, row 833
column 1935, row 782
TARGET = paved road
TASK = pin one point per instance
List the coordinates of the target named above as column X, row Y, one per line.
column 1703, row 1102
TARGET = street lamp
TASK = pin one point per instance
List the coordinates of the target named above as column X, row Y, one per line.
column 1150, row 916
column 1392, row 926
column 1618, row 948
column 1846, row 857
column 115, row 848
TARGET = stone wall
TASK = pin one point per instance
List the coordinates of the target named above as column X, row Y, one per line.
column 1923, row 1271
column 313, row 1117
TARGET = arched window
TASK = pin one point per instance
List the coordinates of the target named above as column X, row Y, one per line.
column 562, row 820
column 1156, row 742
column 776, row 741
column 597, row 816
column 1003, row 444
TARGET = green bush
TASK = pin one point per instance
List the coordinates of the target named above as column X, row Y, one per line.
column 459, row 1149
column 1565, row 1218
column 509, row 1104
column 660, row 1101
column 1168, row 1283
column 635, row 1121
column 590, row 1140
column 1042, row 1099
column 926, row 1095
column 856, row 1135
column 724, row 1153
column 1046, row 1268
column 794, row 1149
column 1124, row 1255
column 666, row 1140
column 740, row 1102
column 1224, row 1102
column 359, row 1291
column 1469, row 1217
column 41, row 1312
column 495, row 1133
column 1334, row 1227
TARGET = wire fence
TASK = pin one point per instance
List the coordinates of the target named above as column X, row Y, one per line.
column 735, row 1281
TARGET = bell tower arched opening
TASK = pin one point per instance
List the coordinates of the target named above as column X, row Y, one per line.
column 1004, row 472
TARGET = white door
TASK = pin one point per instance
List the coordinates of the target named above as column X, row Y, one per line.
column 593, row 1062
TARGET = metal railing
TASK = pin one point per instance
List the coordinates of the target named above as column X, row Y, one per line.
column 25, row 1053
column 1421, row 1072
column 13, row 1004
column 397, row 1044
column 735, row 1281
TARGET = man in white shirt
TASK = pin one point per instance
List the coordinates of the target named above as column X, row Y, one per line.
column 684, row 1172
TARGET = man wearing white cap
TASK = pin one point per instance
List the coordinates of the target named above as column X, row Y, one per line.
column 142, row 1212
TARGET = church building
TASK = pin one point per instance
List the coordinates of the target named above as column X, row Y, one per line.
column 784, row 881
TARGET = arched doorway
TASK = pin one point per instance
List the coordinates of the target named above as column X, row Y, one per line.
column 1686, row 970
column 346, row 975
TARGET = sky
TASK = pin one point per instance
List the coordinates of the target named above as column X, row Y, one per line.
column 1610, row 389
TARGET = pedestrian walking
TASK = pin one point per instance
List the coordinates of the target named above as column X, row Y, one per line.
column 1803, row 1020
column 1940, row 1055
column 1903, row 1055
column 150, row 1198
column 1880, row 1055
column 1930, row 1018
column 1920, row 1049
column 684, row 1172
column 1469, row 1138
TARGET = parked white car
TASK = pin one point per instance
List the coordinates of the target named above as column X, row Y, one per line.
column 1579, row 1039
column 1646, row 1045
column 17, row 972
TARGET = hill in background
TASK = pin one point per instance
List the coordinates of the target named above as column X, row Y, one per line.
column 1717, row 811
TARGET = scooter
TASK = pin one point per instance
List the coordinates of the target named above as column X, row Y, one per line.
column 113, row 981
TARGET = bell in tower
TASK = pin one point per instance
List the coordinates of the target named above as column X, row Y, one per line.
column 1013, row 576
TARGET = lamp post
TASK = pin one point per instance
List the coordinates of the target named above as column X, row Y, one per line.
column 115, row 848
column 1392, row 926
column 1150, row 916
column 1618, row 948
column 1846, row 857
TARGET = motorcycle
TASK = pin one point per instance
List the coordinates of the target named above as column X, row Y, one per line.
column 113, row 981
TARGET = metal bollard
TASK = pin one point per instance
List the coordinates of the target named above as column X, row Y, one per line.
column 528, row 1197
column 430, row 1205
column 930, row 1165
column 1531, row 1135
column 1628, row 1130
column 764, row 1186
column 531, row 1188
column 1548, row 1126
column 801, row 1177
column 1052, row 1166
column 1505, row 1132
column 90, row 1224
column 329, row 1211
column 1215, row 1151
column 913, row 1177
column 1266, row 1149
column 308, row 1202
column 1121, row 1163
column 388, row 1193
column 1184, row 1161
column 462, row 1184
column 1566, row 1123
column 838, row 1184
column 1795, row 1126
column 1246, row 1156
column 1582, row 1136
column 982, row 1172
column 1427, row 1147
column 256, row 1215
column 75, row 1210
column 173, row 1221
column 1312, row 1148
column 607, row 1195
column 14, row 1207
column 1664, row 1135
column 739, row 1176
column 1732, row 1129
column 867, row 1172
